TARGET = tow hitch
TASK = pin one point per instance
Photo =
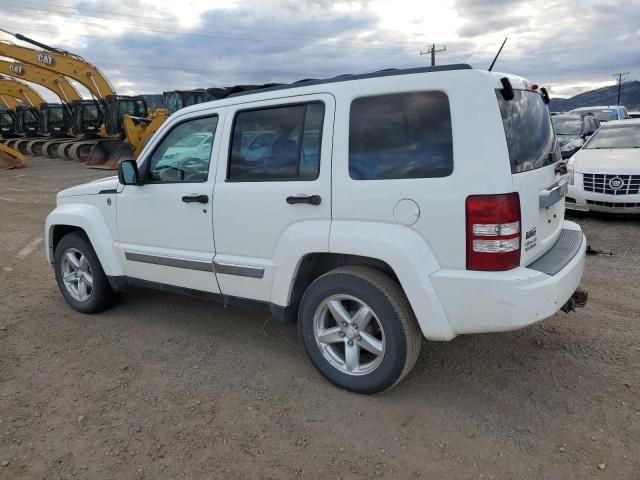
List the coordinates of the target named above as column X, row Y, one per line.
column 578, row 299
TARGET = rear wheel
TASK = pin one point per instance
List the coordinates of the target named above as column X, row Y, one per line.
column 358, row 329
column 80, row 277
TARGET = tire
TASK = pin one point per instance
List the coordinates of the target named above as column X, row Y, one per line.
column 99, row 295
column 392, row 324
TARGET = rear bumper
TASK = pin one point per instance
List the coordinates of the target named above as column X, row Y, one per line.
column 479, row 302
column 579, row 200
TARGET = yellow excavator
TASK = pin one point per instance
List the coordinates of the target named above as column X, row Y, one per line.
column 54, row 118
column 9, row 157
column 13, row 96
column 26, row 114
column 103, row 119
column 8, row 105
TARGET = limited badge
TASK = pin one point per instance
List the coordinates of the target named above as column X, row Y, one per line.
column 530, row 239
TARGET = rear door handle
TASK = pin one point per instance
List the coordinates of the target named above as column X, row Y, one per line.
column 553, row 195
column 195, row 199
column 310, row 199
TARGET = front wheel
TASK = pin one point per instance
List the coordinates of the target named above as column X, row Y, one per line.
column 80, row 277
column 358, row 329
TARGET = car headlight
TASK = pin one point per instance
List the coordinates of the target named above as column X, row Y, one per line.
column 570, row 170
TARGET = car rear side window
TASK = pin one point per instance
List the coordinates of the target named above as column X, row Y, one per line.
column 277, row 143
column 399, row 136
column 527, row 127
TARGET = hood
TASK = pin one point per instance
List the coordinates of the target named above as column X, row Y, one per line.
column 603, row 160
column 91, row 188
column 564, row 139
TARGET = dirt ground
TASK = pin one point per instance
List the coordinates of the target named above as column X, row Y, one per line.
column 167, row 387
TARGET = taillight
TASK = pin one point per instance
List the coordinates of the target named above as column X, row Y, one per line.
column 493, row 232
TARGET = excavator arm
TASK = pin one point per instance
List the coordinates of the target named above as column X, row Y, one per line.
column 8, row 101
column 61, row 62
column 21, row 91
column 46, row 78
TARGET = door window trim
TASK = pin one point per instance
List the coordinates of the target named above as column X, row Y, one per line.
column 271, row 107
column 146, row 162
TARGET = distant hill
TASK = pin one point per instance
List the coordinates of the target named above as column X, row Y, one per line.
column 629, row 97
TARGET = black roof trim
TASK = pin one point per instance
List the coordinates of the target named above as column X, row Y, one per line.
column 239, row 90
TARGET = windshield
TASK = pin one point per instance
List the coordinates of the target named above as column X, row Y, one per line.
column 6, row 119
column 30, row 117
column 528, row 130
column 601, row 115
column 606, row 115
column 89, row 113
column 567, row 126
column 131, row 107
column 56, row 114
column 173, row 101
column 616, row 137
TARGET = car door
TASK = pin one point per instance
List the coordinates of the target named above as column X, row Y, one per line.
column 271, row 207
column 165, row 228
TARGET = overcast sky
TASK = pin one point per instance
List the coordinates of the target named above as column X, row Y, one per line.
column 148, row 46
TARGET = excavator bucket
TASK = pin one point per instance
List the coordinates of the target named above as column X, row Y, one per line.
column 108, row 153
column 10, row 158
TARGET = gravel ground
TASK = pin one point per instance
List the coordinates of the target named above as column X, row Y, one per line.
column 169, row 387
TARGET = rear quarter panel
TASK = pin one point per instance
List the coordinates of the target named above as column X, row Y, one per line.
column 481, row 162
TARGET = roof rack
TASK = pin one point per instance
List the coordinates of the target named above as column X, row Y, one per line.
column 238, row 90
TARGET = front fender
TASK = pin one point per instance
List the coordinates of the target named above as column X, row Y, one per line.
column 410, row 257
column 92, row 222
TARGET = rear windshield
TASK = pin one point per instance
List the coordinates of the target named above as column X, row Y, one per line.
column 527, row 127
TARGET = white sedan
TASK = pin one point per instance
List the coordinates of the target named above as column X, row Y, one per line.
column 605, row 173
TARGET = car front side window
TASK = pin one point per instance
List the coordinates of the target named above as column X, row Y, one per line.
column 185, row 152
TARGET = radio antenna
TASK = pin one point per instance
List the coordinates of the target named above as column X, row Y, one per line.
column 497, row 54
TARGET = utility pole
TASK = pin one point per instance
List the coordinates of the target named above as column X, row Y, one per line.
column 432, row 51
column 620, row 75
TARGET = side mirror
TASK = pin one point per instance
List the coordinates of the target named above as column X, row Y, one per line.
column 128, row 173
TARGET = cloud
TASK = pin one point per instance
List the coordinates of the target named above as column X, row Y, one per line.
column 147, row 46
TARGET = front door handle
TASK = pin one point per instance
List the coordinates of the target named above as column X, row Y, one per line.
column 195, row 199
column 310, row 199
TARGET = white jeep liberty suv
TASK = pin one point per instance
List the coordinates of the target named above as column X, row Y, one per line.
column 372, row 209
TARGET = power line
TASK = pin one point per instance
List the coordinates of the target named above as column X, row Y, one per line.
column 620, row 75
column 164, row 19
column 432, row 51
